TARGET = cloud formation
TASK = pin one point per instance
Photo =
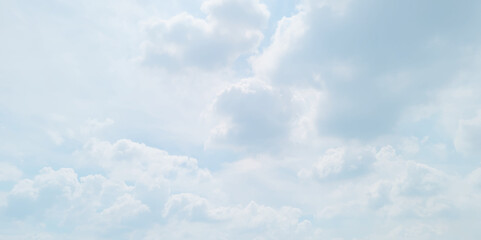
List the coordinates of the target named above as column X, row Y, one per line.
column 229, row 119
column 231, row 29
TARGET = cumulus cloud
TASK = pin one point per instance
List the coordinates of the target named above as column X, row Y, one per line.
column 254, row 116
column 244, row 120
column 231, row 29
column 137, row 163
column 188, row 206
column 364, row 183
column 389, row 186
column 334, row 163
column 97, row 204
column 123, row 207
column 339, row 163
column 233, row 222
column 137, row 182
column 366, row 64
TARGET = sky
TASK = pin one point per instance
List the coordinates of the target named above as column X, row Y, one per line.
column 240, row 119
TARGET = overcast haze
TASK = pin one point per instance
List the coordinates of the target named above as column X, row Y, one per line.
column 240, row 119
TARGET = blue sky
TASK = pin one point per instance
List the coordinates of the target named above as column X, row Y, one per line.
column 240, row 119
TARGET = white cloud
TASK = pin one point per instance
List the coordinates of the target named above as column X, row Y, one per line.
column 254, row 116
column 134, row 162
column 285, row 40
column 200, row 217
column 125, row 206
column 389, row 186
column 26, row 188
column 340, row 163
column 331, row 46
column 62, row 183
column 344, row 120
column 231, row 29
column 186, row 206
column 130, row 193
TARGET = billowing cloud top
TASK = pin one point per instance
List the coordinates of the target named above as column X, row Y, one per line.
column 230, row 119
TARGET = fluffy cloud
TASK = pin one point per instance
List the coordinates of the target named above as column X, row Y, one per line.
column 233, row 222
column 366, row 65
column 137, row 163
column 255, row 120
column 254, row 116
column 137, row 182
column 231, row 29
column 152, row 194
column 55, row 202
column 95, row 204
column 337, row 164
